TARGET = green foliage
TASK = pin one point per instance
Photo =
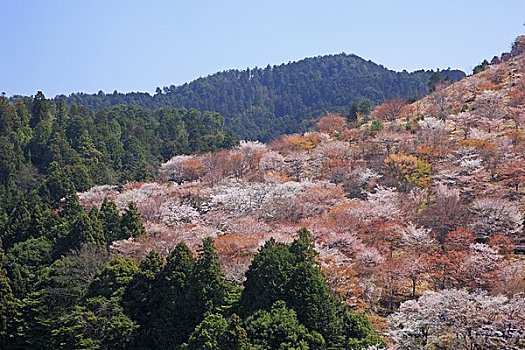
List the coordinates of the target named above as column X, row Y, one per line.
column 130, row 224
column 39, row 110
column 19, row 222
column 114, row 278
column 376, row 126
column 435, row 79
column 267, row 278
column 8, row 310
column 363, row 107
column 97, row 324
column 110, row 219
column 235, row 336
column 68, row 279
column 358, row 331
column 480, row 67
column 186, row 291
column 207, row 287
column 141, row 299
column 173, row 318
column 24, row 261
column 207, row 335
column 58, row 289
column 279, row 328
column 83, row 230
column 62, row 148
column 263, row 103
column 33, row 323
column 292, row 275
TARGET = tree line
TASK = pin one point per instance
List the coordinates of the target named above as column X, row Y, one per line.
column 262, row 103
column 86, row 299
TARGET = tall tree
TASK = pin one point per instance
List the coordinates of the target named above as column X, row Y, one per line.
column 8, row 310
column 110, row 218
column 267, row 277
column 208, row 288
column 130, row 224
column 39, row 110
column 172, row 320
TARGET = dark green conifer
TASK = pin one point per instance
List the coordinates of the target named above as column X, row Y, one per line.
column 130, row 224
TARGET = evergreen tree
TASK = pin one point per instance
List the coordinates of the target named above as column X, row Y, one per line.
column 292, row 275
column 267, row 277
column 110, row 218
column 235, row 336
column 68, row 279
column 141, row 299
column 34, row 323
column 173, row 317
column 308, row 294
column 207, row 334
column 40, row 109
column 57, row 184
column 99, row 323
column 130, row 224
column 435, row 79
column 82, row 230
column 207, row 282
column 18, row 224
column 24, row 262
column 8, row 310
column 279, row 328
column 114, row 278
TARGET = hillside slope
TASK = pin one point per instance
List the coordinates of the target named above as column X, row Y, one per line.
column 264, row 103
column 419, row 206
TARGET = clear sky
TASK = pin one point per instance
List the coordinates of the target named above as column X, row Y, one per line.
column 65, row 46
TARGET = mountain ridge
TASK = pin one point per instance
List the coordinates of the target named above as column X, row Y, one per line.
column 263, row 103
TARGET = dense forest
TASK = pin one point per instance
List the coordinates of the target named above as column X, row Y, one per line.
column 263, row 103
column 122, row 143
column 144, row 223
column 61, row 288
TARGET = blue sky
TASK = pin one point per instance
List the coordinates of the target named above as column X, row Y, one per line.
column 65, row 46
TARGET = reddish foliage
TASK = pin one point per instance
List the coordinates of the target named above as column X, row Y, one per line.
column 331, row 123
column 391, row 110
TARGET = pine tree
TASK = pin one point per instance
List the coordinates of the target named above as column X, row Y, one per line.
column 8, row 309
column 235, row 336
column 110, row 219
column 130, row 224
column 267, row 277
column 172, row 320
column 207, row 282
column 207, row 334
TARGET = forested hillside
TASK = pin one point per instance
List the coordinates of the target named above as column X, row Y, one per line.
column 62, row 287
column 264, row 103
column 52, row 149
column 132, row 227
column 416, row 212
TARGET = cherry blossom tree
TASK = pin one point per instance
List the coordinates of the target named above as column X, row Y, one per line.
column 331, row 124
column 491, row 216
column 461, row 319
column 391, row 110
column 182, row 168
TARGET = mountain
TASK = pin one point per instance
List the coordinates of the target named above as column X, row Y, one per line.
column 416, row 210
column 412, row 215
column 264, row 103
